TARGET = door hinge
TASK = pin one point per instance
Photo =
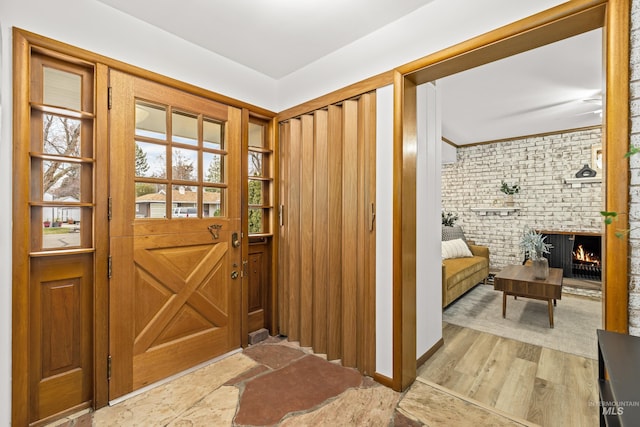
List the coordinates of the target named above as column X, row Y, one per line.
column 109, row 368
column 109, row 97
column 109, row 267
column 109, row 208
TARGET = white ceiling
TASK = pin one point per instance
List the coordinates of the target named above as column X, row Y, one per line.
column 535, row 92
column 555, row 87
column 274, row 37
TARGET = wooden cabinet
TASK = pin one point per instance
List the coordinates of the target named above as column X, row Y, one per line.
column 618, row 379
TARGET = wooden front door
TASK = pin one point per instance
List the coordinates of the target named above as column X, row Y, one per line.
column 175, row 231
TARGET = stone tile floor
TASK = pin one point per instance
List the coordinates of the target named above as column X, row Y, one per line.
column 277, row 383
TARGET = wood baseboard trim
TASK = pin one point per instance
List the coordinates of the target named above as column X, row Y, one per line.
column 430, row 352
column 383, row 379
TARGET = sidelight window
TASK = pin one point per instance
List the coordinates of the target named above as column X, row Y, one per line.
column 259, row 177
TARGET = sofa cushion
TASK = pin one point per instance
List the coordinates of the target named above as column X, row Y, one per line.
column 459, row 269
column 452, row 233
column 456, row 248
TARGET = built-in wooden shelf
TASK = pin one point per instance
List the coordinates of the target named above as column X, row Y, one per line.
column 578, row 182
column 501, row 210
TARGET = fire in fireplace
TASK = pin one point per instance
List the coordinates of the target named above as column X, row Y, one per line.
column 579, row 255
column 586, row 257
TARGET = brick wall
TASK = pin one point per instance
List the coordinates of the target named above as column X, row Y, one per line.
column 634, row 190
column 539, row 165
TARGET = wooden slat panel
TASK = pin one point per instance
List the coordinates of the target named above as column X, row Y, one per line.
column 283, row 271
column 370, row 271
column 366, row 264
column 321, row 233
column 362, row 234
column 293, row 231
column 334, row 291
column 349, row 238
column 306, row 232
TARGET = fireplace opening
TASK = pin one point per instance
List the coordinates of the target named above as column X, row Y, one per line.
column 586, row 257
column 579, row 255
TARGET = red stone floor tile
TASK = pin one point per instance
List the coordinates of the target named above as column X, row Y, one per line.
column 273, row 355
column 302, row 385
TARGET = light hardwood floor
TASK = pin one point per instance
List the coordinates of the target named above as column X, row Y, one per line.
column 543, row 386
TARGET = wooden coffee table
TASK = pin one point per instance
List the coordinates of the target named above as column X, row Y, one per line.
column 518, row 280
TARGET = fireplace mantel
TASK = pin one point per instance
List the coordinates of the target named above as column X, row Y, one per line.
column 565, row 232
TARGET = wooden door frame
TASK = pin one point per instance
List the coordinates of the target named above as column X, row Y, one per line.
column 23, row 44
column 566, row 20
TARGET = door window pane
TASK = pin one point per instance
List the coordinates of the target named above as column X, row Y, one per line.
column 184, row 164
column 255, row 220
column 184, row 201
column 151, row 121
column 213, row 202
column 213, row 167
column 185, row 128
column 212, row 134
column 61, row 181
column 60, row 135
column 60, row 227
column 256, row 135
column 62, row 89
column 150, row 160
column 151, row 200
column 255, row 164
column 255, row 192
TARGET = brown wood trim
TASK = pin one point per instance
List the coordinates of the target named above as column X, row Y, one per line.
column 101, row 283
column 535, row 135
column 616, row 170
column 244, row 226
column 20, row 248
column 404, row 236
column 427, row 355
column 383, row 379
column 560, row 22
column 94, row 58
column 274, row 139
column 337, row 96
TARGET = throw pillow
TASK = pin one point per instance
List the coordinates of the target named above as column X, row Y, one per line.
column 452, row 233
column 456, row 248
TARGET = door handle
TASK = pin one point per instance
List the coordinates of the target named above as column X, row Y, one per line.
column 234, row 275
column 214, row 229
column 235, row 242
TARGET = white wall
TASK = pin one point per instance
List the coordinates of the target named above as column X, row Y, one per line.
column 384, row 231
column 449, row 153
column 428, row 224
